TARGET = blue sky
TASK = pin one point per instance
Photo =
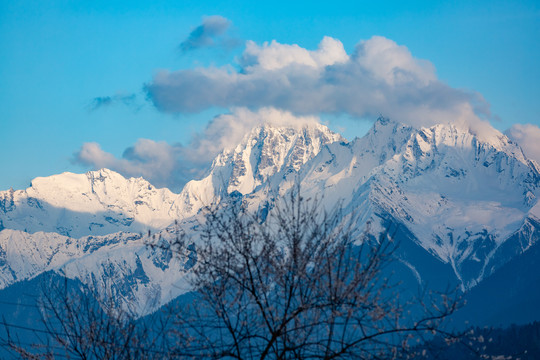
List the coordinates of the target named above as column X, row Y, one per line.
column 86, row 72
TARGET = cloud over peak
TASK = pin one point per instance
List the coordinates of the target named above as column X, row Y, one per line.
column 379, row 77
column 528, row 137
column 173, row 165
column 284, row 84
column 154, row 160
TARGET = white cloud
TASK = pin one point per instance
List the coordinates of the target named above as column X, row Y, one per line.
column 528, row 137
column 393, row 63
column 173, row 165
column 379, row 77
column 226, row 131
column 275, row 56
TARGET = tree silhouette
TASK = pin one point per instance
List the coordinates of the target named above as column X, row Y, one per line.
column 294, row 282
column 299, row 283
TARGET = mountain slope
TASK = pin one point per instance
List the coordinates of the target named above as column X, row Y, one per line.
column 461, row 197
column 140, row 278
column 509, row 296
column 96, row 203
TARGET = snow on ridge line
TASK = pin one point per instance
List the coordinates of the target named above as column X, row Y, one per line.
column 103, row 201
column 266, row 152
column 97, row 202
column 460, row 196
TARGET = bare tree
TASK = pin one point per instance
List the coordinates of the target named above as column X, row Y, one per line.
column 78, row 323
column 298, row 283
column 302, row 284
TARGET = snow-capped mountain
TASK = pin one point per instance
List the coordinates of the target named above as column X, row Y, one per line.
column 264, row 153
column 467, row 202
column 462, row 198
column 93, row 226
column 103, row 202
column 121, row 265
column 96, row 203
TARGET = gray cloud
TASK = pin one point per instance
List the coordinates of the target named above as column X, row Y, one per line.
column 155, row 161
column 106, row 101
column 227, row 130
column 205, row 35
column 166, row 165
column 379, row 77
column 528, row 137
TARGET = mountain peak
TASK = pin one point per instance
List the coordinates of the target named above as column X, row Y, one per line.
column 388, row 134
column 267, row 151
column 271, row 129
column 97, row 202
